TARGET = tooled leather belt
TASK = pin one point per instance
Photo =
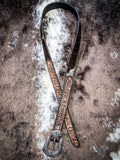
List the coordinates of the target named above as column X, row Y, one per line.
column 63, row 95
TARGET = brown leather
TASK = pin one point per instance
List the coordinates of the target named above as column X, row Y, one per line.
column 54, row 80
column 70, row 130
column 62, row 110
column 63, row 104
column 63, row 114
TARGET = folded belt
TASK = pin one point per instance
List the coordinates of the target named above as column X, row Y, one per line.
column 63, row 95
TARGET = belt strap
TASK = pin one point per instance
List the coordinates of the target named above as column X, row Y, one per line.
column 62, row 95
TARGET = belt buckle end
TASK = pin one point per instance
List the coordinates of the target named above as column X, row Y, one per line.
column 52, row 153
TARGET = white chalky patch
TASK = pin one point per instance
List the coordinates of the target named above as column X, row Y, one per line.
column 37, row 13
column 107, row 122
column 33, row 37
column 116, row 99
column 26, row 45
column 114, row 55
column 96, row 150
column 12, row 44
column 115, row 136
column 71, row 72
column 115, row 156
column 56, row 37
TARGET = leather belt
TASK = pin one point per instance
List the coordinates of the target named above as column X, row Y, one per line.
column 63, row 114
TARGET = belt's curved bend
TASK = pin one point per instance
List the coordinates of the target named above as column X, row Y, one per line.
column 62, row 95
